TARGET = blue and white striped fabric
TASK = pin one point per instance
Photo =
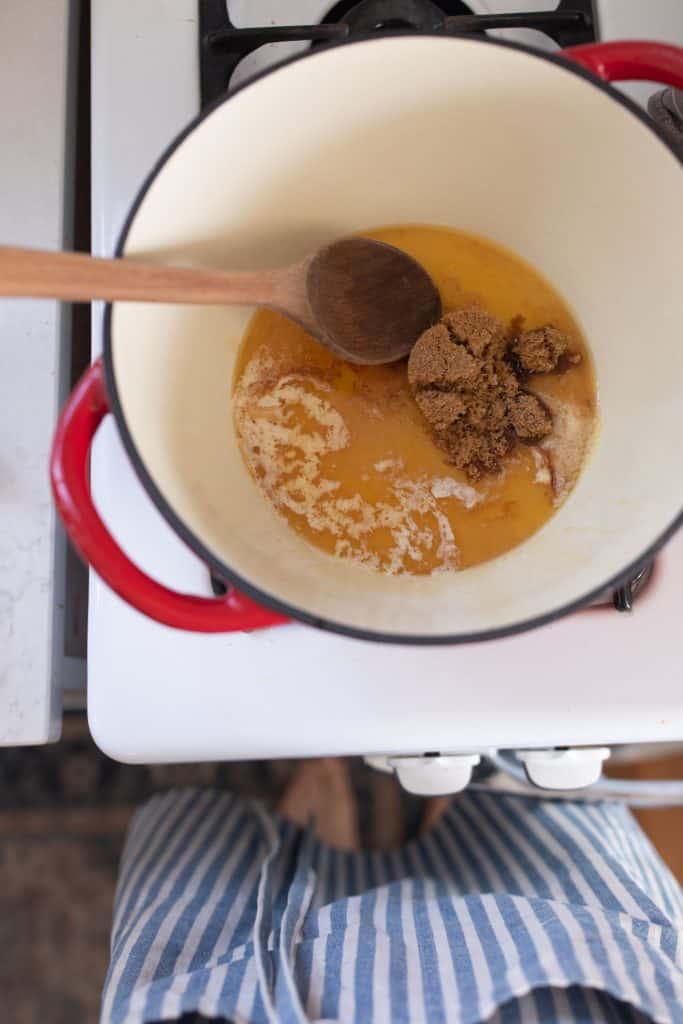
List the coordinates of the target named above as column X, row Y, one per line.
column 509, row 909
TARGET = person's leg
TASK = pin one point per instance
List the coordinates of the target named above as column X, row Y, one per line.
column 321, row 790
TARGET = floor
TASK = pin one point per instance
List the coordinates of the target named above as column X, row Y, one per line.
column 664, row 826
column 64, row 810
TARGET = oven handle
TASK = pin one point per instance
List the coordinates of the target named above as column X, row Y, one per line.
column 82, row 415
column 631, row 61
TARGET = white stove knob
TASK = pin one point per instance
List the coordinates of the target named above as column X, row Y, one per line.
column 572, row 768
column 435, row 776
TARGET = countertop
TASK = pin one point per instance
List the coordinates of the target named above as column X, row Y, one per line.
column 37, row 80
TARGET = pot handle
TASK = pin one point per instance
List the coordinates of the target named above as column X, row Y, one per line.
column 618, row 61
column 84, row 411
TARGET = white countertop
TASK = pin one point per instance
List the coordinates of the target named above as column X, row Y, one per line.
column 36, row 80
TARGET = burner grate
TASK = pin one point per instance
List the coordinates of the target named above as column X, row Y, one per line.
column 223, row 46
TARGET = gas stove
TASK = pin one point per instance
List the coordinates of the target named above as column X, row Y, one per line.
column 606, row 675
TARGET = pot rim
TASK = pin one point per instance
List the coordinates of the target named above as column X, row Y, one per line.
column 223, row 571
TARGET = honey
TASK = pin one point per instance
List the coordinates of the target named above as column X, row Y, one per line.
column 343, row 453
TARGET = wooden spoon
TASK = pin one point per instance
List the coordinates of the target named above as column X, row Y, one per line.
column 366, row 301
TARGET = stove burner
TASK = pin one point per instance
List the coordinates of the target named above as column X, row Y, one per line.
column 223, row 47
column 390, row 15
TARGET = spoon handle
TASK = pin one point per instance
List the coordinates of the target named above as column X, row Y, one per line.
column 77, row 277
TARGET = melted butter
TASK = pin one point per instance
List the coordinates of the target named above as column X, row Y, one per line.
column 343, row 453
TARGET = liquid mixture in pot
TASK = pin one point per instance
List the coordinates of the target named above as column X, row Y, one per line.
column 346, row 455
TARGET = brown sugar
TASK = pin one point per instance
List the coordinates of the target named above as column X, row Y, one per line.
column 440, row 363
column 542, row 350
column 466, row 374
column 530, row 419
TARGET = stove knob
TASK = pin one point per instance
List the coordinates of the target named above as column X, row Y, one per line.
column 435, row 776
column 569, row 768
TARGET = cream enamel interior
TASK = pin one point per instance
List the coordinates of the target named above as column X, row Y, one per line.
column 430, row 130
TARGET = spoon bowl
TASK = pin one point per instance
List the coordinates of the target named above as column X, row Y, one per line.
column 369, row 301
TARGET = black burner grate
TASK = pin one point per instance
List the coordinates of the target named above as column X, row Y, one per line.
column 223, row 46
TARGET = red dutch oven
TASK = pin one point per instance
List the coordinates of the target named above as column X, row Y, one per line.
column 534, row 151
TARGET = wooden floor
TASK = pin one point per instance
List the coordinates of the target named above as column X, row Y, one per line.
column 663, row 825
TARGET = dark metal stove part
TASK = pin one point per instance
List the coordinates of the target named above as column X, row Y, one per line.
column 223, row 46
column 624, row 596
column 666, row 109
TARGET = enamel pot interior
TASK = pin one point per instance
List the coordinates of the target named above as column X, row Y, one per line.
column 487, row 138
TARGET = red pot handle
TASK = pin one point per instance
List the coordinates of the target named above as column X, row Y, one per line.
column 84, row 411
column 618, row 61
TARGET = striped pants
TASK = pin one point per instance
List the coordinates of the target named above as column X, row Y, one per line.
column 508, row 909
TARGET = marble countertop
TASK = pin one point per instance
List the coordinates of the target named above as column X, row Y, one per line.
column 37, row 83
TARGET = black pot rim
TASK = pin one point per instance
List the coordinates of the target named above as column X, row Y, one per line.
column 214, row 563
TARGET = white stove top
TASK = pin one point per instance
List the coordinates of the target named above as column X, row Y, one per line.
column 158, row 695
